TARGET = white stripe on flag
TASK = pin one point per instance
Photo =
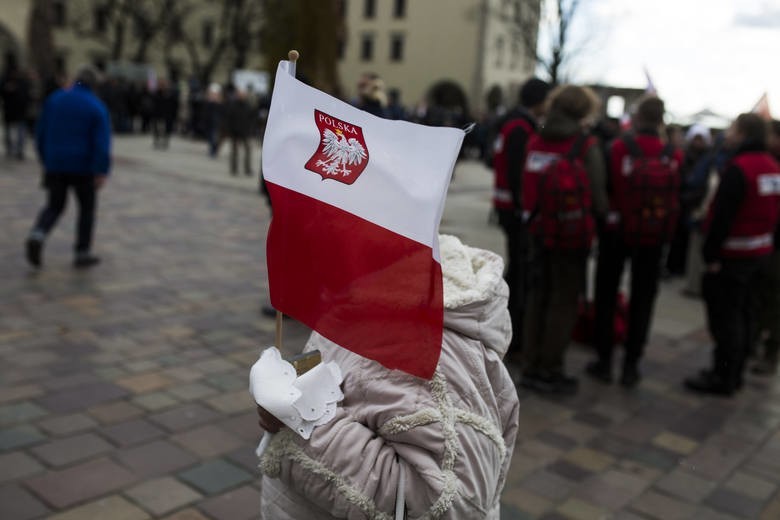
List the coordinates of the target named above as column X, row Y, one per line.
column 404, row 184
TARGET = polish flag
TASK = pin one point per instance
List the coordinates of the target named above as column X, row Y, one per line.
column 762, row 107
column 353, row 247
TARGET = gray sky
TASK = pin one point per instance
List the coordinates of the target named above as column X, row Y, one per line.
column 717, row 54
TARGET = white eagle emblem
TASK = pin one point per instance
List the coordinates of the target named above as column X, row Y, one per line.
column 340, row 153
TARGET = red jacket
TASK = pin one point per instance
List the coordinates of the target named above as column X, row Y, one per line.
column 503, row 196
column 751, row 230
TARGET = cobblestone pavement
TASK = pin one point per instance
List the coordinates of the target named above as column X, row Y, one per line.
column 123, row 390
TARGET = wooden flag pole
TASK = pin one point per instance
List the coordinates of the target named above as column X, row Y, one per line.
column 293, row 56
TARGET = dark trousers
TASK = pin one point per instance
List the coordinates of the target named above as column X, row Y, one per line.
column 730, row 298
column 677, row 259
column 645, row 271
column 516, row 273
column 557, row 281
column 769, row 307
column 246, row 144
column 162, row 132
column 57, row 187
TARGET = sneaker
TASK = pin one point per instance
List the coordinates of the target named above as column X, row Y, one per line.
column 84, row 261
column 630, row 376
column 34, row 248
column 599, row 371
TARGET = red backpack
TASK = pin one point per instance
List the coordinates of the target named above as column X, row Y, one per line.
column 650, row 205
column 564, row 213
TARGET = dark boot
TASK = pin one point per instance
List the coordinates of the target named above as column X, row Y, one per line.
column 34, row 248
column 85, row 261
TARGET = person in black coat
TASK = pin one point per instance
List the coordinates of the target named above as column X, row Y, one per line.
column 166, row 111
column 15, row 94
column 238, row 123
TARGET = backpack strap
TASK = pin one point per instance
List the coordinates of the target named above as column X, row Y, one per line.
column 633, row 147
column 577, row 148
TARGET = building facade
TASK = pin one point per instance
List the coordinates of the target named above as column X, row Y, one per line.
column 428, row 50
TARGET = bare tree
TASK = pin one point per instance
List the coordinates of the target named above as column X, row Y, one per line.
column 550, row 18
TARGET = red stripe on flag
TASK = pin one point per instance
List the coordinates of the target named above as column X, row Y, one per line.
column 362, row 286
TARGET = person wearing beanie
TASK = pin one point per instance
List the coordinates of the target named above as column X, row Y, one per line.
column 73, row 137
column 516, row 130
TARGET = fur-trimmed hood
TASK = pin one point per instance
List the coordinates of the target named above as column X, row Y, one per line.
column 475, row 294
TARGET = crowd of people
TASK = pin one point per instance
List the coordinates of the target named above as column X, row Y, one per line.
column 666, row 202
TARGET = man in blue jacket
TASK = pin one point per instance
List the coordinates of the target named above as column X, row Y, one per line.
column 74, row 144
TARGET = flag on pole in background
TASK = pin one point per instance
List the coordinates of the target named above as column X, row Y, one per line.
column 762, row 107
column 650, row 87
column 352, row 249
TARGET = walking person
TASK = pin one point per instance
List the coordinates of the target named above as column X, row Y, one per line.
column 518, row 126
column 238, row 125
column 166, row 112
column 564, row 192
column 644, row 175
column 741, row 233
column 74, row 144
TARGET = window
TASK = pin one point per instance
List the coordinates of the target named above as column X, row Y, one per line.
column 369, row 9
column 367, row 47
column 399, row 9
column 59, row 13
column 99, row 19
column 207, row 33
column 396, row 47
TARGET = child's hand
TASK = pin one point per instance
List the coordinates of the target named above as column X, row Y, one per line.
column 267, row 421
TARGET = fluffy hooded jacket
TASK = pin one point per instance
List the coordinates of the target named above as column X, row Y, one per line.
column 452, row 436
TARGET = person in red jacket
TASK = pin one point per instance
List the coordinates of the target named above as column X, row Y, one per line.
column 634, row 231
column 741, row 233
column 516, row 129
column 564, row 191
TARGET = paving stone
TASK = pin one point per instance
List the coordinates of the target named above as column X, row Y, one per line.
column 114, row 412
column 71, row 449
column 207, row 441
column 557, row 440
column 155, row 401
column 527, row 502
column 675, row 443
column 751, row 486
column 662, row 507
column 717, row 457
column 233, row 402
column 227, row 381
column 187, row 514
column 730, row 501
column 611, row 490
column 656, row 457
column 163, row 495
column 214, row 365
column 577, row 509
column 132, row 432
column 67, row 424
column 548, row 485
column 18, row 393
column 191, row 391
column 141, row 383
column 76, row 484
column 183, row 417
column 240, row 504
column 570, row 471
column 244, row 427
column 215, row 476
column 155, row 458
column 20, row 412
column 686, row 485
column 589, row 459
column 18, row 504
column 510, row 512
column 612, row 445
column 81, row 397
column 113, row 507
column 708, row 513
column 595, row 419
column 16, row 465
column 18, row 437
column 771, row 510
column 185, row 374
column 245, row 457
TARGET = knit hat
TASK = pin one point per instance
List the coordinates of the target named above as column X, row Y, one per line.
column 533, row 92
column 700, row 131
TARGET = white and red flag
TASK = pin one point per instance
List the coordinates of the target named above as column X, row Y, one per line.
column 353, row 246
column 762, row 107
